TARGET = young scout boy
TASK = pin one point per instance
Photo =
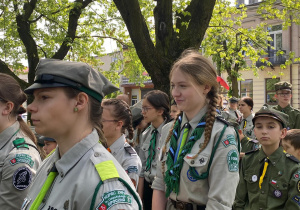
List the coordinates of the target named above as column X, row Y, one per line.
column 283, row 96
column 269, row 178
column 291, row 143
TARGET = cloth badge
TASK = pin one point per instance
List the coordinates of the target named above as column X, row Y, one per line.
column 298, row 186
column 233, row 160
column 22, row 178
column 190, row 177
column 297, row 175
column 132, row 169
column 230, row 140
column 277, row 193
column 22, row 158
column 112, row 198
column 296, row 199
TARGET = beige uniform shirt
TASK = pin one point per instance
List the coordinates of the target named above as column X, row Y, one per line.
column 17, row 167
column 127, row 157
column 77, row 179
column 147, row 135
column 218, row 190
column 247, row 126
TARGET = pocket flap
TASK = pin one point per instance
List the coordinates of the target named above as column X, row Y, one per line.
column 200, row 160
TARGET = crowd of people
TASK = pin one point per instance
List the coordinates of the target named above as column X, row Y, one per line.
column 188, row 153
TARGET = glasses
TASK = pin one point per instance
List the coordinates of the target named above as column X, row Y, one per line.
column 284, row 94
column 146, row 108
column 109, row 120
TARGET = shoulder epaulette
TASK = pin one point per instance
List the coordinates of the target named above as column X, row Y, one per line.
column 129, row 149
column 250, row 152
column 107, row 170
column 291, row 157
column 254, row 141
column 20, row 143
column 220, row 118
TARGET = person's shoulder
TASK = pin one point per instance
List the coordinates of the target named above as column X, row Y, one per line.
column 291, row 158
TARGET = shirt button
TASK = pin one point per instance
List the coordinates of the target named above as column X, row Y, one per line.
column 61, row 174
column 192, row 161
column 262, row 192
column 96, row 154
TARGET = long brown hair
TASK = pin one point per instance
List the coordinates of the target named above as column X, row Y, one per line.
column 10, row 90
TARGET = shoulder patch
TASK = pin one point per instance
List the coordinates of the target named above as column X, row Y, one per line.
column 22, row 158
column 20, row 143
column 297, row 175
column 229, row 140
column 220, row 118
column 291, row 157
column 132, row 169
column 22, row 178
column 114, row 197
column 250, row 152
column 130, row 150
column 233, row 160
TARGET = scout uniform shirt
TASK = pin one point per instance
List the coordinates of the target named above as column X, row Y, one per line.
column 18, row 165
column 247, row 126
column 248, row 144
column 127, row 158
column 232, row 115
column 83, row 167
column 147, row 134
column 294, row 116
column 217, row 191
column 280, row 188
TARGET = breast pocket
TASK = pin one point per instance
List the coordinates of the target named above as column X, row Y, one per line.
column 278, row 189
column 252, row 180
column 197, row 167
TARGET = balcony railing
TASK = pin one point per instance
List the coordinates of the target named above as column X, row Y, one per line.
column 272, row 57
column 125, row 81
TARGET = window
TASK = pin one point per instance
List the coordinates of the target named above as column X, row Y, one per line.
column 270, row 90
column 276, row 34
column 133, row 99
column 246, row 88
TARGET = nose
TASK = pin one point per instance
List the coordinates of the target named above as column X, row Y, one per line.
column 31, row 107
column 175, row 92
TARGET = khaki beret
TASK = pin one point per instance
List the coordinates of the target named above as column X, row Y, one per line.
column 283, row 85
column 268, row 111
column 136, row 111
column 58, row 73
column 233, row 100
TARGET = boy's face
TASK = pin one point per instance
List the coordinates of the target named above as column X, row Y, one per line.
column 268, row 131
column 283, row 97
column 233, row 105
column 286, row 144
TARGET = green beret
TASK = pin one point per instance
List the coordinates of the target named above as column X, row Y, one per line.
column 136, row 111
column 268, row 111
column 233, row 100
column 44, row 138
column 58, row 73
column 283, row 85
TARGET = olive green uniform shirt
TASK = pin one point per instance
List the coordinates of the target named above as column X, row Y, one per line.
column 248, row 144
column 75, row 184
column 280, row 188
column 127, row 157
column 218, row 190
column 294, row 116
column 17, row 167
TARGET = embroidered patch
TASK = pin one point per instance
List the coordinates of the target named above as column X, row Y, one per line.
column 190, row 177
column 233, row 160
column 22, row 178
column 277, row 193
column 296, row 199
column 22, row 158
column 297, row 175
column 230, row 140
column 298, row 186
column 132, row 169
column 112, row 198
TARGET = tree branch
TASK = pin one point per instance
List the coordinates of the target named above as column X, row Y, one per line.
column 106, row 37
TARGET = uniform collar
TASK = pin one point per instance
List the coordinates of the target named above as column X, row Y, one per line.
column 287, row 108
column 159, row 127
column 194, row 122
column 73, row 155
column 249, row 118
column 274, row 157
column 6, row 135
column 118, row 144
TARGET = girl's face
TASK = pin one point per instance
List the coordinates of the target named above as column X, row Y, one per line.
column 109, row 123
column 268, row 131
column 52, row 112
column 149, row 113
column 244, row 108
column 174, row 111
column 189, row 97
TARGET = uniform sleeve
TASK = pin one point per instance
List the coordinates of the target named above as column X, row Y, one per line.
column 158, row 183
column 133, row 168
column 297, row 121
column 223, row 175
column 114, row 195
column 293, row 201
column 18, row 172
column 241, row 195
column 143, row 156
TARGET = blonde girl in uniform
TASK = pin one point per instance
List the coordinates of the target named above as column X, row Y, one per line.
column 246, row 106
column 199, row 157
column 116, row 119
column 155, row 110
column 80, row 173
column 19, row 157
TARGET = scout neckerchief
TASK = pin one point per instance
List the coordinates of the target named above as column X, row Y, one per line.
column 151, row 150
column 39, row 198
column 245, row 124
column 261, row 178
column 174, row 164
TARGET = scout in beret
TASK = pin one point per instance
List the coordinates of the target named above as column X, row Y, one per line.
column 49, row 144
column 283, row 96
column 232, row 113
column 269, row 177
column 67, row 108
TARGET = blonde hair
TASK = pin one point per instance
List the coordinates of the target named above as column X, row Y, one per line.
column 201, row 72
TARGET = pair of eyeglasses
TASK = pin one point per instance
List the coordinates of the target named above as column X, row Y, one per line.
column 146, row 108
column 109, row 121
column 284, row 94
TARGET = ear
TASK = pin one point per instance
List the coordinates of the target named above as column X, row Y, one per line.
column 283, row 133
column 160, row 111
column 81, row 101
column 8, row 108
column 207, row 88
column 120, row 124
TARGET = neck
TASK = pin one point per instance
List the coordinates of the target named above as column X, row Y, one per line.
column 191, row 114
column 111, row 140
column 245, row 115
column 157, row 122
column 269, row 150
column 283, row 105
